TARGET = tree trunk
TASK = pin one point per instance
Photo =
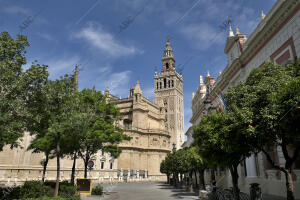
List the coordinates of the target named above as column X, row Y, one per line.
column 176, row 179
column 173, row 179
column 85, row 165
column 289, row 185
column 190, row 184
column 181, row 179
column 57, row 170
column 235, row 182
column 289, row 161
column 288, row 168
column 196, row 178
column 202, row 181
column 73, row 169
column 168, row 178
column 190, row 177
column 212, row 176
column 45, row 166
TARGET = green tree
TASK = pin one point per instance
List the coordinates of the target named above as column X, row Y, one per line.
column 40, row 144
column 272, row 104
column 98, row 129
column 165, row 169
column 287, row 101
column 61, row 107
column 176, row 163
column 196, row 164
column 15, row 87
column 171, row 162
column 220, row 138
column 183, row 164
column 270, row 97
column 39, row 122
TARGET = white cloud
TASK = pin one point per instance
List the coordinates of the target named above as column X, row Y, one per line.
column 203, row 35
column 59, row 67
column 212, row 15
column 46, row 36
column 118, row 82
column 104, row 70
column 17, row 10
column 99, row 39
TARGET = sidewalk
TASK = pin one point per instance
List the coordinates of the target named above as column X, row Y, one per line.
column 272, row 197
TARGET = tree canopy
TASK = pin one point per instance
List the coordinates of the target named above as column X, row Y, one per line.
column 98, row 130
column 16, row 86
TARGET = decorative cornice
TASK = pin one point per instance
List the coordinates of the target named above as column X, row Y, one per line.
column 149, row 131
column 166, row 150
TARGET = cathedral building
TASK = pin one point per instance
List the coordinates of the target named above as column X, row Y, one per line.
column 144, row 122
column 155, row 128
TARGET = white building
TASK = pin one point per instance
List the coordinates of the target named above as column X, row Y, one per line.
column 276, row 38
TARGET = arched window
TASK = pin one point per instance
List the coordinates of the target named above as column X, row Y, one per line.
column 167, row 65
column 172, row 83
column 169, row 85
column 165, row 82
column 157, row 85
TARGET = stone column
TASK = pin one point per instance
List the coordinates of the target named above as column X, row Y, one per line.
column 121, row 175
column 128, row 176
column 16, row 180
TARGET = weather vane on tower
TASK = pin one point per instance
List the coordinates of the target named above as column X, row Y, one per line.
column 169, row 38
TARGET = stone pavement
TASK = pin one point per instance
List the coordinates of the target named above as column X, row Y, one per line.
column 149, row 191
column 142, row 191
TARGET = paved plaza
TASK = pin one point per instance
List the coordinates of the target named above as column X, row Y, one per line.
column 142, row 191
column 149, row 191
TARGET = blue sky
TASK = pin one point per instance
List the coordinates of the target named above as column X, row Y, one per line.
column 63, row 33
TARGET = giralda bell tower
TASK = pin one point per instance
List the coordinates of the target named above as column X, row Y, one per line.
column 168, row 90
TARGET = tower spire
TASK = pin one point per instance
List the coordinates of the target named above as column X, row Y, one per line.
column 208, row 74
column 201, row 80
column 262, row 15
column 168, row 58
column 168, row 52
column 137, row 88
column 230, row 31
column 237, row 30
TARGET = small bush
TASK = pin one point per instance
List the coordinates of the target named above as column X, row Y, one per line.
column 98, row 190
column 76, row 197
column 47, row 198
column 52, row 183
column 67, row 190
column 35, row 189
column 8, row 193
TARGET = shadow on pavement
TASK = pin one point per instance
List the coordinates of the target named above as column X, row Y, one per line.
column 178, row 192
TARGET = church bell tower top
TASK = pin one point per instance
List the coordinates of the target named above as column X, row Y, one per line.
column 168, row 58
column 168, row 52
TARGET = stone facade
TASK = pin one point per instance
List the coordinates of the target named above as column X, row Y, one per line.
column 153, row 126
column 276, row 38
column 143, row 121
